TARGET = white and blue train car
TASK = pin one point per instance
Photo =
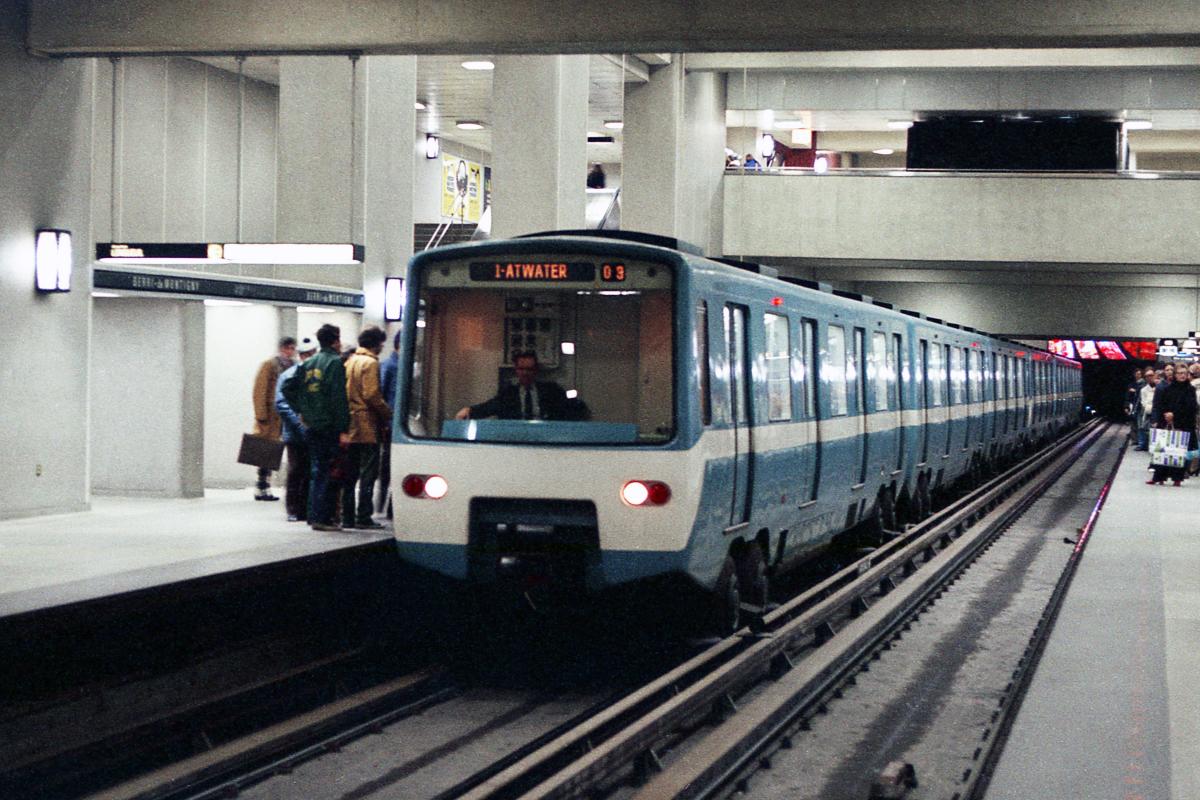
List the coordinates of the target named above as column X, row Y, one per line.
column 720, row 422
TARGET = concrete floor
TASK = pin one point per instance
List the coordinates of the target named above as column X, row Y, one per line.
column 124, row 544
column 1114, row 710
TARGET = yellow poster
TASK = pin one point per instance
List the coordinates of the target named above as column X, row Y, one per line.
column 462, row 189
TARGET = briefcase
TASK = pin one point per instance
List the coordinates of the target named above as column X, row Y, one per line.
column 259, row 451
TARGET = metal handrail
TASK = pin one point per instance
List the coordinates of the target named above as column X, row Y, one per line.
column 901, row 172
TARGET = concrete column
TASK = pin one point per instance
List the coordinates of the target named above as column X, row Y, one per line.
column 539, row 143
column 191, row 444
column 319, row 126
column 673, row 155
column 388, row 163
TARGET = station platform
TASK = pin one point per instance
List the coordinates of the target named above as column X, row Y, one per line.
column 1113, row 710
column 126, row 544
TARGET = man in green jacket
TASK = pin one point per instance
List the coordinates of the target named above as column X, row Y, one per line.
column 318, row 391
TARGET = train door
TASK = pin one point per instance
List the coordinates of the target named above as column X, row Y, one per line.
column 897, row 369
column 810, row 463
column 923, row 401
column 737, row 346
column 859, row 371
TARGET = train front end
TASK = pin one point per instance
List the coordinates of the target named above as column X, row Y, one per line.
column 540, row 443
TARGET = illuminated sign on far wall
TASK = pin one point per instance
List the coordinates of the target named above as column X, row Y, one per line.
column 1107, row 349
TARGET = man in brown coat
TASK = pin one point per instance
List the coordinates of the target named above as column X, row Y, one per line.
column 266, row 419
column 368, row 414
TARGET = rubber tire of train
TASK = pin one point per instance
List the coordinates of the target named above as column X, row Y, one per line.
column 752, row 575
column 725, row 617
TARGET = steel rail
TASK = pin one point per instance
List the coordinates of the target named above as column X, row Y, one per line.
column 226, row 769
column 593, row 753
column 735, row 748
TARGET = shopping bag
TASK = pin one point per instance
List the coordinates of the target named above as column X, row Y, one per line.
column 259, row 451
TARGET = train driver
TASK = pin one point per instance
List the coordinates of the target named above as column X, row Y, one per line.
column 528, row 398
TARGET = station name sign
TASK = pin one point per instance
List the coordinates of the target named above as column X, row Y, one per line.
column 544, row 271
column 124, row 280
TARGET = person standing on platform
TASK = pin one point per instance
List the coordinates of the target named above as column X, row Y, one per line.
column 1176, row 407
column 368, row 414
column 266, row 419
column 1133, row 400
column 596, row 178
column 388, row 370
column 318, row 391
column 298, row 476
column 1144, row 406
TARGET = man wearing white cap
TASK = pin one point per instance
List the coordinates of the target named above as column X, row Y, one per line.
column 296, row 498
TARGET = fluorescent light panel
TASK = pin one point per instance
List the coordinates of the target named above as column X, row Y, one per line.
column 169, row 253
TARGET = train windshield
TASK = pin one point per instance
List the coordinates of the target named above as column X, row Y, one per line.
column 557, row 349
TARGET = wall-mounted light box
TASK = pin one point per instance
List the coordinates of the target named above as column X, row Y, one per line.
column 393, row 299
column 52, row 260
column 433, row 146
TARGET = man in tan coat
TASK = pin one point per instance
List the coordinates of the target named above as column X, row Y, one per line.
column 369, row 413
column 266, row 419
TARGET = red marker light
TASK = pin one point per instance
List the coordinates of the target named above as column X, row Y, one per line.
column 776, row 301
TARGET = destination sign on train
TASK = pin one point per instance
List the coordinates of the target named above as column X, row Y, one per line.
column 541, row 271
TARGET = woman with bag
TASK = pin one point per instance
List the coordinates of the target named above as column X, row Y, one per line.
column 1175, row 409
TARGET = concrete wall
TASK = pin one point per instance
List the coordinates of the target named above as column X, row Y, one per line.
column 45, row 143
column 968, row 218
column 176, row 149
column 147, row 397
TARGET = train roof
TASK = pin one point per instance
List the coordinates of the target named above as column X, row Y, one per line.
column 761, row 270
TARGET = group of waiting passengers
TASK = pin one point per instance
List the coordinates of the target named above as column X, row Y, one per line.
column 332, row 410
column 1166, row 397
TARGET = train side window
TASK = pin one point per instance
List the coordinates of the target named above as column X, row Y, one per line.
column 958, row 382
column 702, row 368
column 808, row 357
column 877, row 370
column 936, row 376
column 778, row 356
column 833, row 370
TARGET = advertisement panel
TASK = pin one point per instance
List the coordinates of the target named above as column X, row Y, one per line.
column 462, row 189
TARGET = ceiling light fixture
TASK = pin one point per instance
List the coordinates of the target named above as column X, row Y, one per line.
column 419, row 106
column 1138, row 124
column 883, row 151
column 899, row 124
column 469, row 125
column 614, row 124
column 478, row 66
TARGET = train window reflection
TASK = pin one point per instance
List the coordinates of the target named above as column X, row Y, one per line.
column 833, row 370
column 779, row 383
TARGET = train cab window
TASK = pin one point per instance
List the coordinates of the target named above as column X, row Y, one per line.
column 833, row 370
column 958, row 377
column 808, row 357
column 878, row 370
column 700, row 335
column 779, row 373
column 602, row 350
column 935, row 379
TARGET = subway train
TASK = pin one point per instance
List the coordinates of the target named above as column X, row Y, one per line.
column 701, row 423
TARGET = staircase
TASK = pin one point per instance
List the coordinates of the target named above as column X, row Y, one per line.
column 455, row 233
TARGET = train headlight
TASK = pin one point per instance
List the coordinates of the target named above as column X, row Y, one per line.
column 431, row 487
column 646, row 493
